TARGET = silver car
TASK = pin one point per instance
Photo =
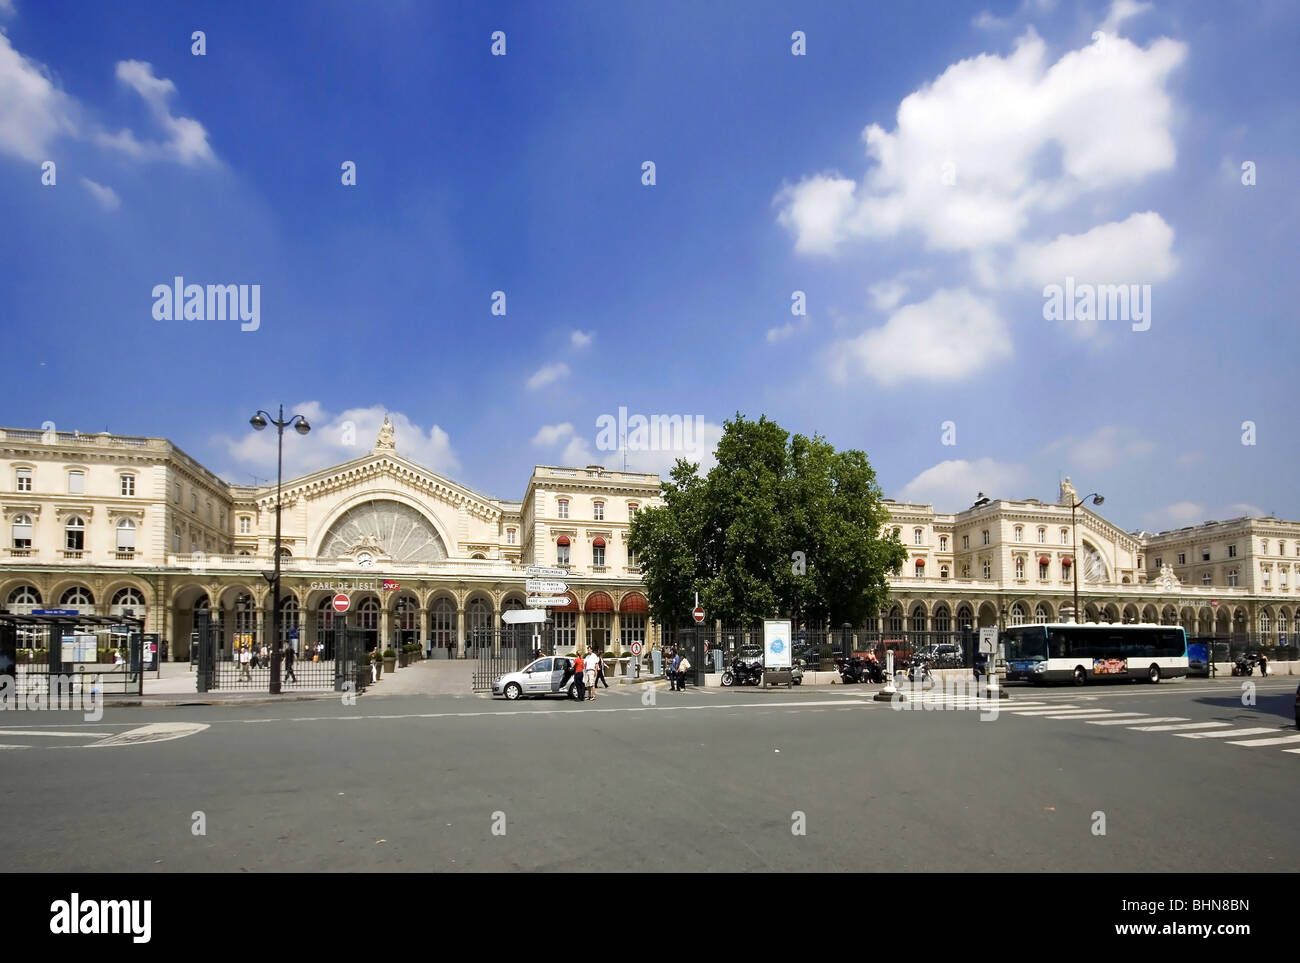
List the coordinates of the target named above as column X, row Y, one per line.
column 549, row 675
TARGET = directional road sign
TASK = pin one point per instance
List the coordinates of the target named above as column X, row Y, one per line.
column 545, row 586
column 547, row 601
column 537, row 571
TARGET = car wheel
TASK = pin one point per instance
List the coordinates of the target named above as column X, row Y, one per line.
column 573, row 692
column 1153, row 674
column 1080, row 677
column 513, row 691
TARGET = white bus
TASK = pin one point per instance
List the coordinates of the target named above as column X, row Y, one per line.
column 1094, row 652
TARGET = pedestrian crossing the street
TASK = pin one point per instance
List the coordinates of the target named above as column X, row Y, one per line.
column 1283, row 737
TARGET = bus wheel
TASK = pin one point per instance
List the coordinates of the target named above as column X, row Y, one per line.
column 1080, row 677
column 1153, row 674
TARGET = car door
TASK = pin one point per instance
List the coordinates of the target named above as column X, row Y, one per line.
column 558, row 671
column 537, row 677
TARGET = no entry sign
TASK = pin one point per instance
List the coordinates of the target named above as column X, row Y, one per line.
column 698, row 614
column 341, row 603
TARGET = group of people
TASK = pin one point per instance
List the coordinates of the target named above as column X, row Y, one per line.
column 676, row 672
column 589, row 673
column 250, row 659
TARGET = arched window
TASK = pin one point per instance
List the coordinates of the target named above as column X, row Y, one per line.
column 126, row 537
column 598, row 552
column 325, row 619
column 1040, row 615
column 478, row 618
column 23, row 599
column 1265, row 623
column 943, row 571
column 22, row 533
column 368, row 614
column 1017, row 614
column 942, row 620
column 78, row 597
column 896, row 619
column 246, row 617
column 285, row 553
column 964, row 616
column 918, row 618
column 75, row 529
column 920, row 568
column 127, row 601
column 442, row 624
column 288, row 618
column 988, row 570
column 1282, row 623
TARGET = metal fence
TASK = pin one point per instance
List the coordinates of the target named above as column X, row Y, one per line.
column 506, row 649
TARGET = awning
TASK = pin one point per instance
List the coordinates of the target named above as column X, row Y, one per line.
column 562, row 540
column 920, row 562
column 1044, row 560
column 598, row 543
column 1066, row 561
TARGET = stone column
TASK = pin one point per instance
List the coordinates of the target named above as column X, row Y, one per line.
column 385, row 628
column 424, row 625
column 615, row 630
column 496, row 625
column 582, row 630
column 460, row 630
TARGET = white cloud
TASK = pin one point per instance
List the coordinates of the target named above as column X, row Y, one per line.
column 1137, row 250
column 337, row 438
column 695, row 447
column 7, row 8
column 1103, row 110
column 548, row 374
column 581, row 339
column 550, row 434
column 106, row 196
column 785, row 331
column 1238, row 509
column 1102, row 448
column 186, row 142
column 948, row 336
column 885, row 295
column 952, row 486
column 1175, row 516
column 33, row 112
column 1120, row 11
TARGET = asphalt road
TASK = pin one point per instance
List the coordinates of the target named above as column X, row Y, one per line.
column 699, row 781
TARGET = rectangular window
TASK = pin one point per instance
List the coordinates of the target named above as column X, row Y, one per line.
column 1042, row 571
column 562, row 555
column 1232, row 577
column 176, row 493
column 1182, row 558
column 209, row 511
column 632, row 628
column 1266, row 580
column 1232, row 551
column 128, row 484
column 564, row 508
column 1042, row 536
column 631, row 557
column 176, row 539
column 76, row 483
column 965, row 542
column 987, row 572
column 125, row 538
column 1159, row 561
column 1065, row 536
column 24, row 479
column 194, row 503
column 1207, row 579
column 1205, row 555
column 23, row 533
column 1281, row 578
column 245, row 524
column 599, row 508
column 510, row 536
column 986, row 536
column 916, row 537
column 566, row 630
column 598, row 555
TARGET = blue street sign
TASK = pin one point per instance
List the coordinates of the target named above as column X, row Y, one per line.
column 55, row 612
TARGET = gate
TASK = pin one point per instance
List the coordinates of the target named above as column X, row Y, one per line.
column 508, row 649
column 341, row 661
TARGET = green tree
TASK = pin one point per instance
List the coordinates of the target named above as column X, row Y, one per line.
column 732, row 536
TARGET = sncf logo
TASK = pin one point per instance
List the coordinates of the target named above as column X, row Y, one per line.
column 77, row 917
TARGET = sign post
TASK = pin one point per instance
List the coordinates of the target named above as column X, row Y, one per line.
column 989, row 649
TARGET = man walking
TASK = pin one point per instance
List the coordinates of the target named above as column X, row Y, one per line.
column 245, row 658
column 672, row 672
column 579, row 683
column 600, row 669
column 288, row 664
column 591, row 664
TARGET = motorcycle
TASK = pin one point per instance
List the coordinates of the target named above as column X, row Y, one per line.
column 919, row 671
column 852, row 671
column 1245, row 665
column 743, row 672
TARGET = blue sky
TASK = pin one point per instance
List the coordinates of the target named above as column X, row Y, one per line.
column 921, row 174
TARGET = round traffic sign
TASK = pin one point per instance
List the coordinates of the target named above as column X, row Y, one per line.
column 698, row 614
column 636, row 648
column 341, row 603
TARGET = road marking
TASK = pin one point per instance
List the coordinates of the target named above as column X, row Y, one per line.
column 156, row 732
column 1183, row 725
column 1047, row 712
column 14, row 747
column 1125, row 722
column 1265, row 742
column 42, row 732
column 1101, row 714
column 1229, row 733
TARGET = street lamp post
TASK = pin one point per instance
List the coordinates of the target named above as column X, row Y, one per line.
column 1096, row 500
column 260, row 421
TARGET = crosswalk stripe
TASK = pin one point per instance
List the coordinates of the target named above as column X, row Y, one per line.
column 1183, row 725
column 1291, row 750
column 1282, row 740
column 14, row 747
column 1100, row 714
column 1128, row 722
column 1226, row 734
column 1061, row 711
column 38, row 732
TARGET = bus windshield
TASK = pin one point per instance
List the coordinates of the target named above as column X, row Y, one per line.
column 1026, row 644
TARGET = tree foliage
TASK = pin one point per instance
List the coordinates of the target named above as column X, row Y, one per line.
column 732, row 535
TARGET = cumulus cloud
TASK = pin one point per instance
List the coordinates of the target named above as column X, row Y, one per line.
column 34, row 113
column 952, row 486
column 1138, row 250
column 106, row 196
column 950, row 335
column 1120, row 11
column 785, row 331
column 963, row 166
column 548, row 374
column 885, row 295
column 336, row 438
column 581, row 339
column 699, row 447
column 550, row 434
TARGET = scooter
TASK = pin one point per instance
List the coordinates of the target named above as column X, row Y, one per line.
column 1245, row 665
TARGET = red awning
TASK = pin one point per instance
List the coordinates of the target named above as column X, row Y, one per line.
column 599, row 602
column 634, row 603
column 562, row 540
column 1066, row 561
column 1044, row 560
column 920, row 562
column 598, row 543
